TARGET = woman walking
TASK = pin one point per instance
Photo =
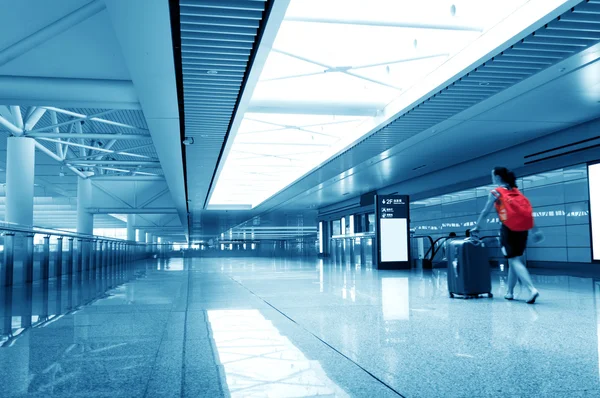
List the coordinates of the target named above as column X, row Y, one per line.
column 516, row 215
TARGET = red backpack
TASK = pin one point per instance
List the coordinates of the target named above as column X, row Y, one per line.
column 514, row 209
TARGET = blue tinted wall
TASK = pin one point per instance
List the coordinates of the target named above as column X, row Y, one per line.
column 561, row 205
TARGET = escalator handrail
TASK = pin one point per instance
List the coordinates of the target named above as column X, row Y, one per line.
column 435, row 251
column 430, row 241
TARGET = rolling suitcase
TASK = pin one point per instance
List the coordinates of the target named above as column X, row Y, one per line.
column 468, row 268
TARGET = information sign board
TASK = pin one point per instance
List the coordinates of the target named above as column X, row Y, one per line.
column 392, row 231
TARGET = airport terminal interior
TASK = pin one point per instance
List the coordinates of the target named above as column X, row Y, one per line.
column 285, row 198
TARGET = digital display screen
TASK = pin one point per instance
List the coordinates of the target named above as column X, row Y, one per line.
column 594, row 181
column 394, row 242
column 320, row 237
column 392, row 211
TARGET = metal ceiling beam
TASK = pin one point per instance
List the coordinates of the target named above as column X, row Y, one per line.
column 17, row 116
column 10, row 127
column 95, row 119
column 59, row 148
column 55, row 157
column 73, row 121
column 126, row 210
column 315, row 108
column 91, row 136
column 333, row 69
column 154, row 198
column 113, row 162
column 126, row 172
column 68, row 92
column 127, row 178
column 391, row 24
column 94, row 148
column 34, row 118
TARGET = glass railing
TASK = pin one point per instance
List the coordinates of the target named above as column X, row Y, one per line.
column 29, row 254
column 353, row 249
column 45, row 273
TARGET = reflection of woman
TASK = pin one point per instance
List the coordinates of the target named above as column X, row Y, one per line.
column 513, row 243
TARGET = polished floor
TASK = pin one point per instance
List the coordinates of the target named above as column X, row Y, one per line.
column 296, row 328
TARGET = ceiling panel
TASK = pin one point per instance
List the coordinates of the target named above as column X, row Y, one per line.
column 218, row 40
column 345, row 69
column 88, row 50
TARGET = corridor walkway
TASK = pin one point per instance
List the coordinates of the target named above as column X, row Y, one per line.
column 277, row 328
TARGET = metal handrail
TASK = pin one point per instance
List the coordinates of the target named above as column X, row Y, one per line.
column 356, row 235
column 430, row 242
column 432, row 249
column 17, row 228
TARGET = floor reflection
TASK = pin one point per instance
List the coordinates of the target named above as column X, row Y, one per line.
column 259, row 361
column 44, row 301
column 226, row 323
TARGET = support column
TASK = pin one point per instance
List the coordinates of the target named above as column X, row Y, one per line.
column 20, row 168
column 141, row 236
column 148, row 242
column 85, row 220
column 131, row 227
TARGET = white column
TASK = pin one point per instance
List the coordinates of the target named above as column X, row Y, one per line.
column 85, row 220
column 20, row 169
column 148, row 242
column 141, row 236
column 131, row 227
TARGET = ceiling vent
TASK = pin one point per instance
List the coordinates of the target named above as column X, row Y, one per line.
column 563, row 150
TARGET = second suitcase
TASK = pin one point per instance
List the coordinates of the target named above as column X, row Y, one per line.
column 468, row 268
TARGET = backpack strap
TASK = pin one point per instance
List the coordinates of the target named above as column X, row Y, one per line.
column 496, row 194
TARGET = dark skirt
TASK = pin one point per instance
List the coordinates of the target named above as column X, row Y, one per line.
column 513, row 242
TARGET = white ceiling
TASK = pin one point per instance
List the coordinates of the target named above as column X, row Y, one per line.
column 353, row 62
column 564, row 95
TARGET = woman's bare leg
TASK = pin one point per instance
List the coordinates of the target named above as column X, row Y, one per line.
column 512, row 282
column 521, row 272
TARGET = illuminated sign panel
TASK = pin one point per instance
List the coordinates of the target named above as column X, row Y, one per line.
column 392, row 231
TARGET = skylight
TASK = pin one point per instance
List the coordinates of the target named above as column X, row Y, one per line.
column 334, row 67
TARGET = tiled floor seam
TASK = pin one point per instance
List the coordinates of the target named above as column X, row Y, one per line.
column 322, row 341
column 185, row 320
column 162, row 338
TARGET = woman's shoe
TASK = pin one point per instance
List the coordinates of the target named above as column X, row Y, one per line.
column 509, row 296
column 534, row 295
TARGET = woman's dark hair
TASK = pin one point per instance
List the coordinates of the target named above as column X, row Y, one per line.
column 507, row 176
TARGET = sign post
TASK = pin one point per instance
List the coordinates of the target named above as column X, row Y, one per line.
column 393, row 238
